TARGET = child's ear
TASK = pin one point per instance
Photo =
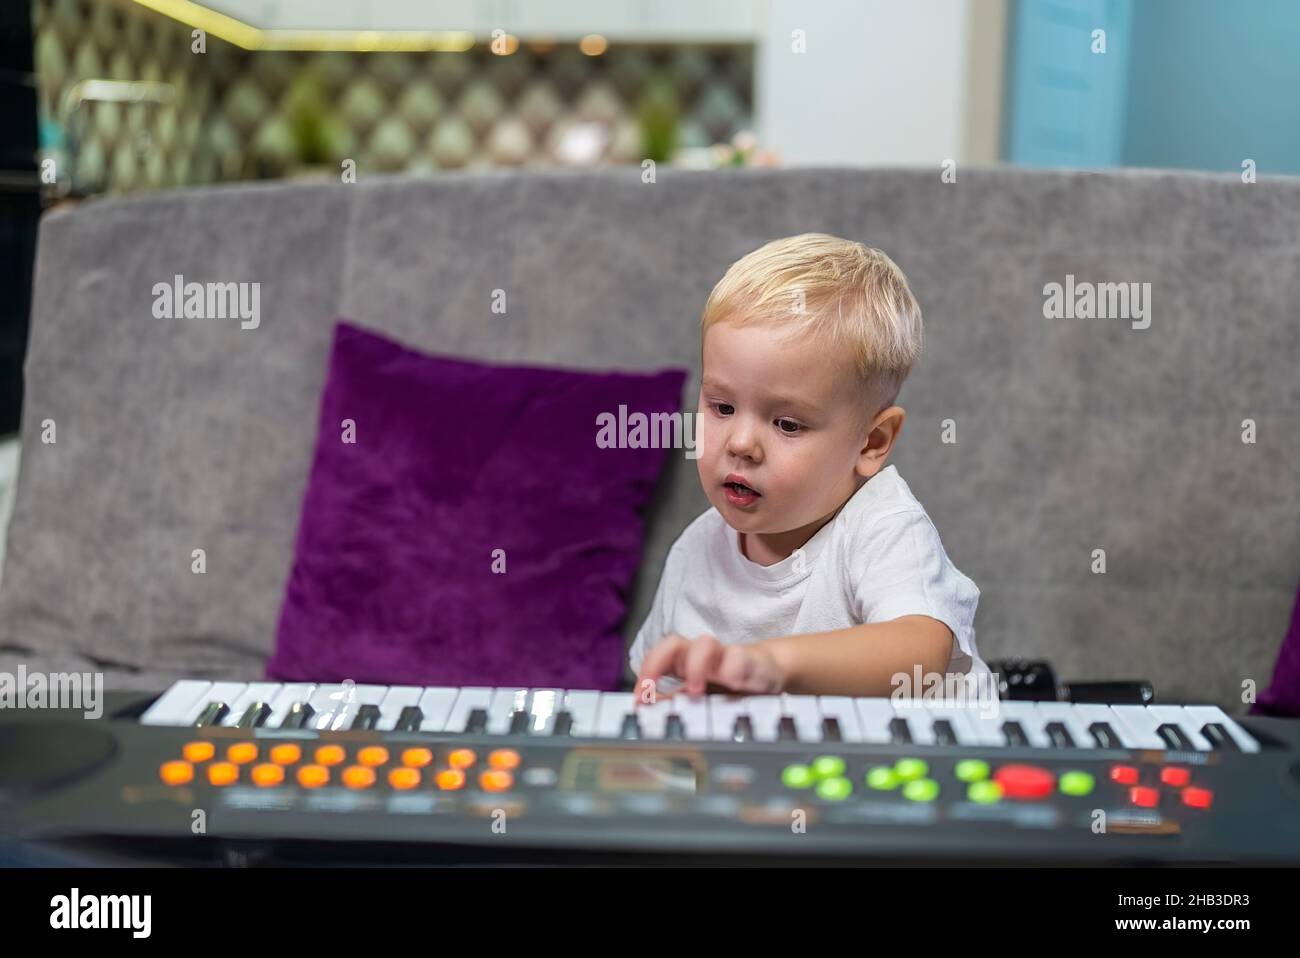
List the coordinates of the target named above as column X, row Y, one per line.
column 884, row 432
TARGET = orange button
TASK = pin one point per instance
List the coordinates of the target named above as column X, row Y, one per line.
column 1197, row 797
column 404, row 778
column 177, row 772
column 461, row 758
column 504, row 758
column 285, row 754
column 330, row 755
column 358, row 776
column 267, row 775
column 198, row 751
column 313, row 776
column 223, row 773
column 451, row 779
column 417, row 757
column 374, row 755
column 497, row 780
column 1144, row 796
column 241, row 753
column 1177, row 777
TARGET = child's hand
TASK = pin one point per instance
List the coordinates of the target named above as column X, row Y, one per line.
column 706, row 661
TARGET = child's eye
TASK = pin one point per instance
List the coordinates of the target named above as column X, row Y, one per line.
column 722, row 408
column 783, row 423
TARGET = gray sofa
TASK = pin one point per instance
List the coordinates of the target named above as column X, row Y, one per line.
column 1072, row 435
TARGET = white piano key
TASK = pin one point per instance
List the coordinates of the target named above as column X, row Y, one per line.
column 1025, row 713
column 1139, row 724
column 807, row 716
column 253, row 693
column 174, row 705
column 764, row 713
column 652, row 717
column 349, row 703
column 505, row 702
column 583, row 706
column 435, row 705
column 694, row 713
column 468, row 699
column 1174, row 715
column 842, row 709
column 218, row 692
column 1088, row 712
column 874, row 716
column 723, row 712
column 957, row 716
column 919, row 719
column 1069, row 716
column 398, row 698
column 1201, row 715
column 986, row 724
column 543, row 705
column 614, row 708
column 286, row 697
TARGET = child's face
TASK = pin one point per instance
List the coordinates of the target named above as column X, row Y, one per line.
column 785, row 415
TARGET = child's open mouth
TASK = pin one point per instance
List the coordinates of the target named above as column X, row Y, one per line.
column 740, row 494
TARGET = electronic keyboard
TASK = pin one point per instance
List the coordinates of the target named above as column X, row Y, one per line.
column 541, row 773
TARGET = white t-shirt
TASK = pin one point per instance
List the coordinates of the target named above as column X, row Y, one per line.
column 878, row 559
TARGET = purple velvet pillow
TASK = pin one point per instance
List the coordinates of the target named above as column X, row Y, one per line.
column 473, row 533
column 1282, row 697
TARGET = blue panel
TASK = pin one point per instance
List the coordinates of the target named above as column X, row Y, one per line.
column 1065, row 103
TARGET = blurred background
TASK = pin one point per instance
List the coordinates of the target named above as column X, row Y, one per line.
column 110, row 97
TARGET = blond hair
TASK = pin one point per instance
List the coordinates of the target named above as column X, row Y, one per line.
column 854, row 298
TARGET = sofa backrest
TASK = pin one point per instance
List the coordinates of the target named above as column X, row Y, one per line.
column 1035, row 442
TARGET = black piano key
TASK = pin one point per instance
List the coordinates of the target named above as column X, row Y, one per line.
column 743, row 730
column 298, row 716
column 673, row 727
column 476, row 723
column 255, row 715
column 631, row 727
column 1060, row 735
column 1175, row 737
column 900, row 733
column 367, row 717
column 1220, row 740
column 943, row 732
column 1104, row 735
column 563, row 723
column 518, row 722
column 831, row 730
column 409, row 719
column 1015, row 735
column 785, row 730
column 212, row 714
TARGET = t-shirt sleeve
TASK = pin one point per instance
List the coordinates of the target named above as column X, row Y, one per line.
column 899, row 567
column 656, row 621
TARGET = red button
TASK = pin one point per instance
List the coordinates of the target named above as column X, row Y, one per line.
column 1124, row 774
column 1144, row 795
column 1197, row 797
column 1025, row 781
column 1177, row 777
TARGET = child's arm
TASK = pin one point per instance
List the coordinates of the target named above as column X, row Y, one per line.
column 860, row 660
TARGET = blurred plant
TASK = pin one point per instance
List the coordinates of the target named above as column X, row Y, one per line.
column 659, row 119
column 743, row 151
column 307, row 112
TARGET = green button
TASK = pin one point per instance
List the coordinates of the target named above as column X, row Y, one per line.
column 834, row 788
column 985, row 793
column 1076, row 783
column 797, row 776
column 828, row 766
column 921, row 790
column 882, row 778
column 908, row 769
column 972, row 770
